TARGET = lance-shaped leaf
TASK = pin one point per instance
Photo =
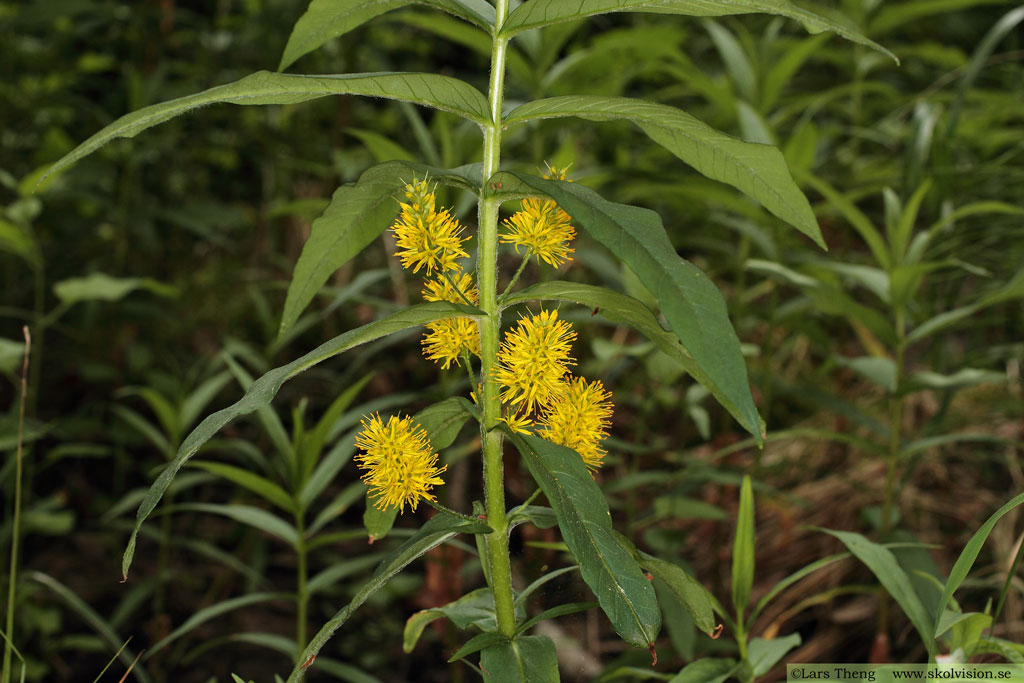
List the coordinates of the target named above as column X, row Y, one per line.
column 626, row 310
column 693, row 306
column 527, row 659
column 685, row 588
column 436, row 531
column 743, row 550
column 266, row 387
column 537, row 13
column 886, row 568
column 759, row 171
column 327, row 19
column 969, row 554
column 355, row 217
column 263, row 87
column 614, row 576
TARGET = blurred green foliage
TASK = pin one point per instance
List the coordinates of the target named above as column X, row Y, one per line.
column 155, row 273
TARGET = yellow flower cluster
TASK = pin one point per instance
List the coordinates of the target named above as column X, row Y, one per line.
column 446, row 339
column 578, row 417
column 542, row 227
column 431, row 239
column 400, row 464
column 533, row 371
column 533, row 360
column 425, row 236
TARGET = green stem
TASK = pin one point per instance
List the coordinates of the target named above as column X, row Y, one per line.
column 741, row 637
column 895, row 422
column 515, row 279
column 490, row 327
column 302, row 593
column 448, row 511
column 893, row 456
column 458, row 290
column 469, row 370
column 16, row 523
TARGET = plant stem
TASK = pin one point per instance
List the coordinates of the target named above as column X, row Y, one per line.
column 893, row 456
column 895, row 423
column 458, row 290
column 490, row 327
column 515, row 279
column 301, row 594
column 448, row 511
column 16, row 523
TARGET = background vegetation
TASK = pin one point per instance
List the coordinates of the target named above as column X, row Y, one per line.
column 888, row 370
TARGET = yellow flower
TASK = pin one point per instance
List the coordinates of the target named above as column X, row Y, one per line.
column 447, row 339
column 425, row 236
column 399, row 462
column 533, row 360
column 517, row 422
column 542, row 227
column 578, row 418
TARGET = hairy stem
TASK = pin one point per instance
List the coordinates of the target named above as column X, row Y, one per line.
column 490, row 327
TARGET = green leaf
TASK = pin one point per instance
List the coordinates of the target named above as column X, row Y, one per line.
column 554, row 613
column 685, row 588
column 967, row 633
column 263, row 87
column 691, row 303
column 20, row 242
column 539, row 582
column 626, row 310
column 100, row 625
column 266, row 387
column 537, row 515
column 1012, row 289
column 537, row 13
column 261, row 486
column 327, row 19
column 860, row 222
column 886, row 568
column 764, row 654
column 623, row 592
column 102, row 287
column 210, row 612
column 12, row 354
column 964, row 377
column 969, row 554
column 477, row 643
column 437, row 530
column 759, row 171
column 475, row 608
column 707, row 670
column 258, row 518
column 892, row 16
column 527, row 659
column 880, row 370
column 682, row 507
column 378, row 522
column 443, row 421
column 355, row 217
column 789, row 581
column 737, row 64
column 743, row 550
column 336, row 571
